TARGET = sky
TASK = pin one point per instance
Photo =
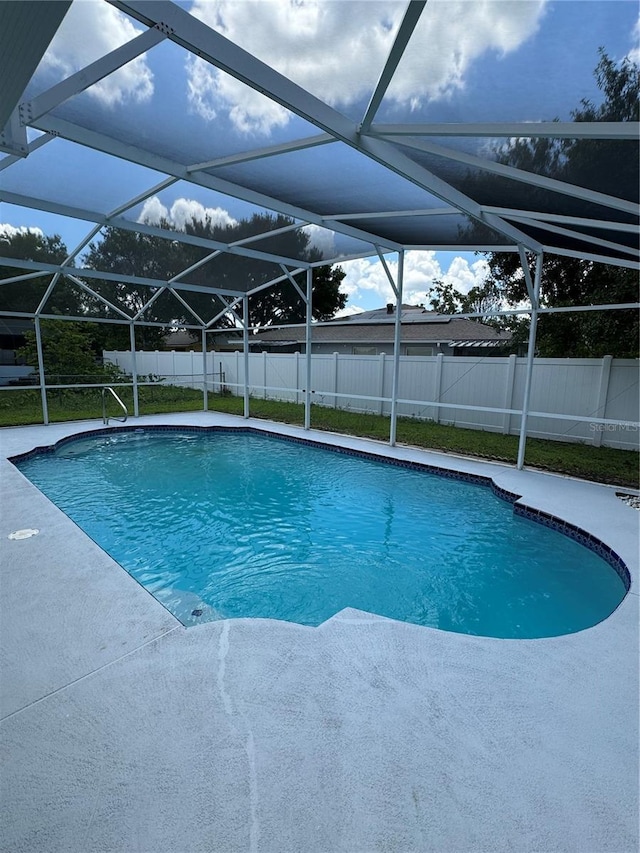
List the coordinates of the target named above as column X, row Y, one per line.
column 461, row 64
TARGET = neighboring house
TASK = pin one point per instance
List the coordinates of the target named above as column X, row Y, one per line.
column 185, row 340
column 12, row 368
column 182, row 340
column 372, row 332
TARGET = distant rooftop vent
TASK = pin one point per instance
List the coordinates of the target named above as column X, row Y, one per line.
column 389, row 307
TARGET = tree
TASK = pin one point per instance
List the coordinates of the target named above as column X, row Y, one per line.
column 569, row 281
column 482, row 299
column 486, row 297
column 33, row 245
column 67, row 353
column 132, row 253
column 280, row 303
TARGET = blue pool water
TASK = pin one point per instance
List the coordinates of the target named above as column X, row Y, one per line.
column 234, row 524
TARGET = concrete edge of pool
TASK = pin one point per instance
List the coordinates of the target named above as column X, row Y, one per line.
column 123, row 730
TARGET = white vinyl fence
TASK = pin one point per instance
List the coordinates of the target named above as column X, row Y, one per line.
column 578, row 392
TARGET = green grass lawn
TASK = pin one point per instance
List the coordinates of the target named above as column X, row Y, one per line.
column 602, row 464
column 24, row 406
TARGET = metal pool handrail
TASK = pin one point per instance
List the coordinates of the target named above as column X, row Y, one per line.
column 105, row 418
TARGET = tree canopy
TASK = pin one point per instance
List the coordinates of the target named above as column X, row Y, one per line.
column 68, row 353
column 26, row 295
column 568, row 281
column 152, row 256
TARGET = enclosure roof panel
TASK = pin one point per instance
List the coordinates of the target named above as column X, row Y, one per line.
column 362, row 127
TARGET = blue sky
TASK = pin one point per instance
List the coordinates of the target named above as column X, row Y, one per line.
column 527, row 60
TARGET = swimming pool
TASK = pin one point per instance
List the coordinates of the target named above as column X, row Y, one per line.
column 230, row 523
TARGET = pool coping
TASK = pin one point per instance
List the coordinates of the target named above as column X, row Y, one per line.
column 482, row 743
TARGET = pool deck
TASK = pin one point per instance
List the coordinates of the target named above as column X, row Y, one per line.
column 124, row 731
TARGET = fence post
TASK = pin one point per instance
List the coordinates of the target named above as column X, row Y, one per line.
column 438, row 385
column 381, row 359
column 307, row 350
column 205, row 390
column 396, row 348
column 335, row 380
column 134, row 369
column 245, row 352
column 237, row 389
column 601, row 398
column 264, row 374
column 534, row 295
column 508, row 393
column 297, row 377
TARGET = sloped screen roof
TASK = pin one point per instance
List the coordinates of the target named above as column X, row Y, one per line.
column 366, row 126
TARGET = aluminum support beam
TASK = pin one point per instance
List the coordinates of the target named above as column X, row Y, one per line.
column 13, row 137
column 532, row 216
column 47, row 294
column 391, row 214
column 580, row 235
column 521, row 130
column 396, row 351
column 107, row 276
column 387, row 155
column 15, row 278
column 144, row 228
column 308, row 348
column 245, row 351
column 93, row 293
column 592, row 256
column 527, row 278
column 86, row 77
column 148, row 303
column 108, row 145
column 530, row 356
column 522, row 176
column 205, row 390
column 187, row 306
column 385, row 267
column 229, row 306
column 405, row 31
column 198, row 38
column 277, row 280
column 261, row 153
column 78, row 318
column 134, row 369
column 297, row 287
column 38, row 142
column 195, row 266
column 43, row 389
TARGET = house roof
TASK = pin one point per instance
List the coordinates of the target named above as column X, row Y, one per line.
column 378, row 327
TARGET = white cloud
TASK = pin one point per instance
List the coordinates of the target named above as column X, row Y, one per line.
column 10, row 231
column 89, row 30
column 321, row 238
column 337, row 50
column 210, row 90
column 183, row 210
column 153, row 211
column 366, row 278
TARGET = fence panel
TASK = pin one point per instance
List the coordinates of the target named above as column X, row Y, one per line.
column 585, row 388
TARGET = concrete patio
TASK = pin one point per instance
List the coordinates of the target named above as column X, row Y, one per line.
column 124, row 731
